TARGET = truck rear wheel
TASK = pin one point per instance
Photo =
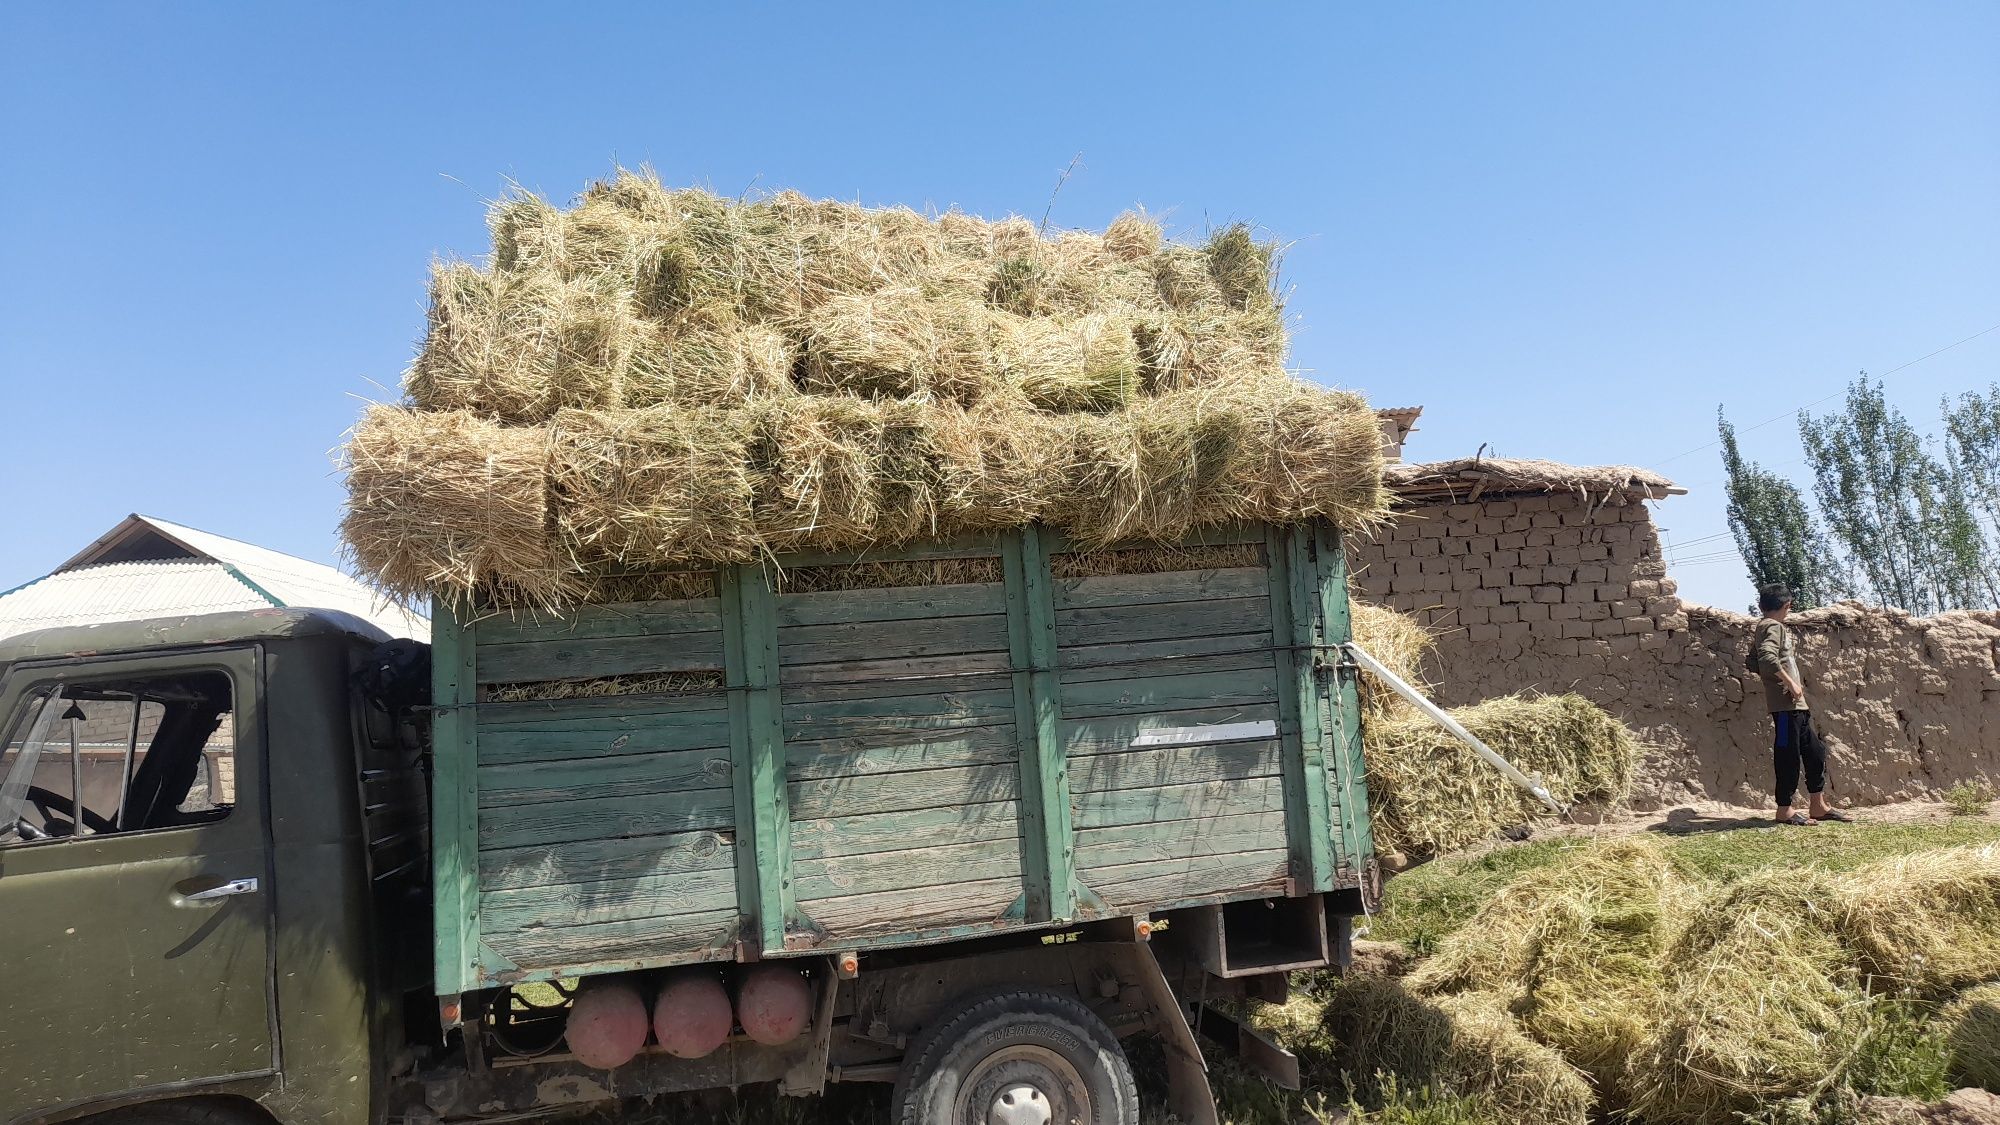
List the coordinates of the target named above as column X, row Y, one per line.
column 1017, row 1058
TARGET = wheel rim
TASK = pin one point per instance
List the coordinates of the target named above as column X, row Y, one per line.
column 1023, row 1085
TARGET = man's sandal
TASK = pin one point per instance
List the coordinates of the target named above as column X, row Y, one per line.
column 1799, row 820
column 1837, row 816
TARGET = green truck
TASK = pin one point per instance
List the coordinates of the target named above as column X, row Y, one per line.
column 962, row 818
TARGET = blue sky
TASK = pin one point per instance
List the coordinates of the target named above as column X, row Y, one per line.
column 1567, row 230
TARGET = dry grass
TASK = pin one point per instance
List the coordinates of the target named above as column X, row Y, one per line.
column 1928, row 922
column 1429, row 794
column 1400, row 643
column 723, row 380
column 1973, row 1037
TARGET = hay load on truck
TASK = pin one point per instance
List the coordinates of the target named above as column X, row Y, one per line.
column 867, row 647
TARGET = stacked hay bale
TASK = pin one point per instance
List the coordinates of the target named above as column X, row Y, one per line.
column 657, row 379
column 1683, row 1001
column 1429, row 794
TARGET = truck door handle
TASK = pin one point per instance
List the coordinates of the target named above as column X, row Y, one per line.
column 219, row 891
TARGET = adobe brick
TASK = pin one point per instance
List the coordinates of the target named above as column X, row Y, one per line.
column 1492, row 579
column 1593, row 552
column 1640, row 625
column 1526, row 576
column 1611, row 591
column 1672, row 621
column 1534, row 611
column 1430, row 530
column 1610, row 628
column 1483, row 597
column 1501, row 507
column 1474, row 615
column 1562, row 574
column 1489, row 526
column 1577, row 629
column 1548, row 594
column 1564, row 611
column 1593, row 648
column 1512, row 632
column 1510, row 541
column 1404, row 531
column 1503, row 614
column 1547, row 519
column 1464, row 580
column 1508, row 559
column 1597, row 611
column 1628, row 608
column 1578, row 595
column 1535, row 556
column 1560, row 648
column 1426, row 548
column 1514, row 593
column 1480, row 633
column 1590, row 572
column 1462, row 512
column 1566, row 556
column 1480, row 545
column 1541, row 537
column 1522, row 522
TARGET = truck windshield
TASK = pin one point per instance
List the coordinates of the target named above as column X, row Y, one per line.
column 21, row 759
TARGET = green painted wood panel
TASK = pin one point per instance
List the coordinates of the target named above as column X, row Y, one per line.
column 582, row 861
column 896, row 792
column 566, row 658
column 867, row 640
column 751, row 649
column 1114, row 735
column 1159, row 883
column 455, row 823
column 1347, row 771
column 649, row 815
column 1142, row 656
column 625, row 775
column 933, row 670
column 1173, row 587
column 609, row 712
column 1047, row 840
column 1145, row 694
column 623, row 619
column 910, row 868
column 611, row 900
column 852, row 718
column 980, row 902
column 1110, row 624
column 936, row 826
column 679, row 938
column 1186, row 840
column 1179, row 802
column 905, row 603
column 1153, row 767
column 1295, row 601
column 1258, row 660
column 888, row 692
column 832, row 758
column 667, row 732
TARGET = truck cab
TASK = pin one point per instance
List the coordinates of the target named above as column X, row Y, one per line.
column 212, row 856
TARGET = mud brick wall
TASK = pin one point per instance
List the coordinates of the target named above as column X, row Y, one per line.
column 1556, row 592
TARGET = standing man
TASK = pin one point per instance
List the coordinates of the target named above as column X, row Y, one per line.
column 1774, row 655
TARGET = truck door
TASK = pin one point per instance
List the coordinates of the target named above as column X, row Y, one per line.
column 135, row 886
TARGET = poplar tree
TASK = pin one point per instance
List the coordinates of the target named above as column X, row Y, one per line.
column 1775, row 531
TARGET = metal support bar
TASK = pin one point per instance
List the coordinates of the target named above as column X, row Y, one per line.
column 1444, row 719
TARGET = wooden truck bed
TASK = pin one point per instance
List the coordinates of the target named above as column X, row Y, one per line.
column 860, row 768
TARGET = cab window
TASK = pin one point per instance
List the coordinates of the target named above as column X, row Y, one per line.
column 131, row 754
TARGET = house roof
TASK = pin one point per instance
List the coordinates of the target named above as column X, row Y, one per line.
column 150, row 567
column 1472, row 478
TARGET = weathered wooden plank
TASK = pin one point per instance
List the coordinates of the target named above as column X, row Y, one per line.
column 1117, row 624
column 758, row 747
column 941, row 671
column 867, row 640
column 935, row 826
column 1163, row 883
column 907, row 869
column 622, row 619
column 602, row 817
column 983, row 901
column 584, row 861
column 860, row 757
column 664, row 733
column 1169, row 693
column 1114, row 735
column 571, row 658
column 896, row 603
column 1296, row 604
column 1345, row 766
column 1152, row 767
column 605, row 712
column 978, row 545
column 1160, row 655
column 1258, row 659
column 623, row 775
column 1178, row 839
column 1179, row 802
column 894, row 715
column 455, row 823
column 612, row 900
column 883, row 688
column 1048, row 848
column 854, row 796
column 1172, row 587
column 670, row 939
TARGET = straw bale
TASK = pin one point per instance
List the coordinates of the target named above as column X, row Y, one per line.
column 1429, row 795
column 1576, row 949
column 898, row 342
column 1972, row 1035
column 450, row 504
column 1459, row 1046
column 1928, row 921
column 1000, row 464
column 1243, row 268
column 645, row 489
column 837, row 471
column 1762, row 1004
column 1311, row 453
column 1082, row 363
column 1180, row 350
column 1400, row 643
column 1133, row 237
column 518, row 347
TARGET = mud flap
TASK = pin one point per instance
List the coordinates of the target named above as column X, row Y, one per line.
column 1189, row 1098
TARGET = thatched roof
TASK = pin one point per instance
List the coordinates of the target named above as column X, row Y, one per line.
column 1473, row 478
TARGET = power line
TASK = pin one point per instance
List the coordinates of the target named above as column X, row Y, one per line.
column 1808, row 406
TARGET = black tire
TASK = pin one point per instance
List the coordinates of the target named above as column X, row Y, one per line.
column 1025, row 1042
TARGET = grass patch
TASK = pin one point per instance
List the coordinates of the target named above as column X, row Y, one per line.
column 1969, row 798
column 1426, row 904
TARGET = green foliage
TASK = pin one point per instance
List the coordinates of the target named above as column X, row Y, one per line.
column 1421, row 1106
column 1903, row 517
column 1972, row 450
column 1905, row 1053
column 1775, row 529
column 1969, row 798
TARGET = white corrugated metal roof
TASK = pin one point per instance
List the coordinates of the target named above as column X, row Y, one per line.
column 225, row 574
column 93, row 595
